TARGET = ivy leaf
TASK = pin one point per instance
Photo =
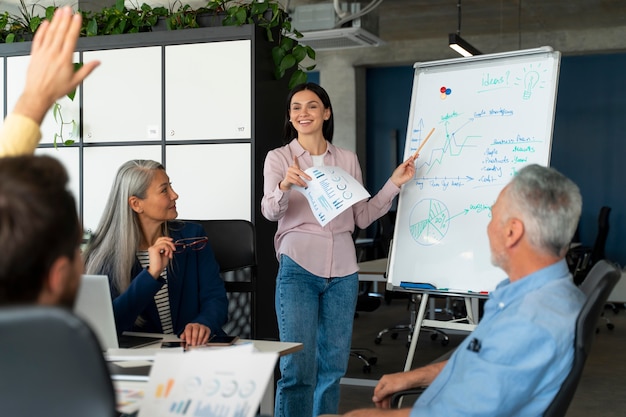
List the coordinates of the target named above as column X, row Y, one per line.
column 55, row 111
column 92, row 27
column 277, row 55
column 50, row 12
column 268, row 33
column 72, row 94
column 287, row 62
column 241, row 16
column 310, row 52
column 286, row 43
column 297, row 78
column 34, row 23
column 299, row 52
column 258, row 8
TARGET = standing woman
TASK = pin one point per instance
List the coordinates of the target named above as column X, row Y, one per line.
column 163, row 275
column 317, row 282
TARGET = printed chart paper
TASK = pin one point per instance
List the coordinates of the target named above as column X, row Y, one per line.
column 208, row 383
column 330, row 192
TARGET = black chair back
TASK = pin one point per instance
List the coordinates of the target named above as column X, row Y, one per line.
column 51, row 365
column 597, row 252
column 234, row 244
column 597, row 286
column 581, row 259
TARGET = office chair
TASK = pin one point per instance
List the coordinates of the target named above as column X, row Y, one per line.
column 597, row 287
column 51, row 365
column 366, row 302
column 435, row 334
column 582, row 258
column 369, row 249
column 376, row 247
column 234, row 244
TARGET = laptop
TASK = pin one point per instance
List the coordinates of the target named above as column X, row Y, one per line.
column 94, row 305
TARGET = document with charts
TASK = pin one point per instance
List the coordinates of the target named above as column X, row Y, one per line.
column 208, row 382
column 330, row 192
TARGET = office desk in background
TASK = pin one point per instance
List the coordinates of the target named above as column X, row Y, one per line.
column 376, row 271
column 373, row 271
column 128, row 381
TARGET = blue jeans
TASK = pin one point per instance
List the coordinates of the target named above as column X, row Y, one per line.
column 317, row 312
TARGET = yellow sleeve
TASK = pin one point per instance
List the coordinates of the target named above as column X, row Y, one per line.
column 19, row 135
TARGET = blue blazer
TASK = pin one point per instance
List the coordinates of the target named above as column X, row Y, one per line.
column 196, row 290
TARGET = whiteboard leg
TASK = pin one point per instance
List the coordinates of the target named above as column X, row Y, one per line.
column 471, row 305
column 416, row 332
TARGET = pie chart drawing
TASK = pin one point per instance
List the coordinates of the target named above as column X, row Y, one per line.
column 429, row 221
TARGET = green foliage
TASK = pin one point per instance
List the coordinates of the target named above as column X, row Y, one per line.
column 58, row 117
column 183, row 18
column 22, row 26
column 287, row 55
column 271, row 16
column 118, row 19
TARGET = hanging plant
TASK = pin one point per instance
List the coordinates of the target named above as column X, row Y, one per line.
column 271, row 16
column 57, row 113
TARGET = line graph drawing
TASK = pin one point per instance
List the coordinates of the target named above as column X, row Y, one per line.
column 453, row 146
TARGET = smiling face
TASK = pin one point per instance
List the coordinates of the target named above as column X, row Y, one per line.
column 307, row 113
column 159, row 205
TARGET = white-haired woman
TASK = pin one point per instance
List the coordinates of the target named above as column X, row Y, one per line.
column 163, row 274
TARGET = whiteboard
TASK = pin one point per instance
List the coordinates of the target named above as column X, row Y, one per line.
column 492, row 115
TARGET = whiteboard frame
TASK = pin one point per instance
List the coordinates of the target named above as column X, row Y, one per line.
column 395, row 277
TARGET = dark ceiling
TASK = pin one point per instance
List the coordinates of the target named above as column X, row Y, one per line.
column 421, row 19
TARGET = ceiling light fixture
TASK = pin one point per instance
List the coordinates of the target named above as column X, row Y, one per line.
column 459, row 44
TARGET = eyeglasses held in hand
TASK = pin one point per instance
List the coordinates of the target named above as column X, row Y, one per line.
column 193, row 243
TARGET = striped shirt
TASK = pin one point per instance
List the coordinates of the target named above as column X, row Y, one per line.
column 161, row 298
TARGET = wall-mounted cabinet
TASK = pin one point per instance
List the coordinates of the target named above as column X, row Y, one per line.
column 209, row 84
column 123, row 98
column 203, row 102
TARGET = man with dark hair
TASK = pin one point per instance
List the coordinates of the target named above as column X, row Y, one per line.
column 39, row 233
column 518, row 356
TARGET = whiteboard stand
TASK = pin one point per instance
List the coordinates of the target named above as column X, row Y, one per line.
column 466, row 324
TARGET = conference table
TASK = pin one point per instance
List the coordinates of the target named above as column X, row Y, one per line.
column 130, row 380
column 373, row 271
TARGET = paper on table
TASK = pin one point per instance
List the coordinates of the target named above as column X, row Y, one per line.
column 330, row 192
column 206, row 382
column 146, row 354
column 129, row 395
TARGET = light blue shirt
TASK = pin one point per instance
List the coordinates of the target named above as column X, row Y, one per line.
column 516, row 359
